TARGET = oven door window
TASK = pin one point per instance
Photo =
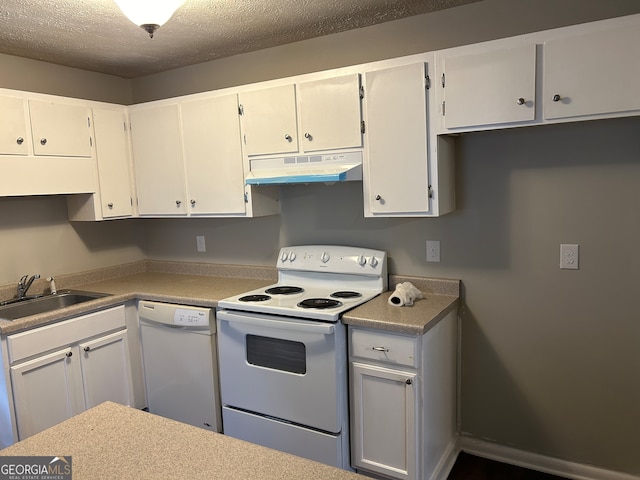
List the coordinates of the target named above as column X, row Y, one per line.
column 277, row 354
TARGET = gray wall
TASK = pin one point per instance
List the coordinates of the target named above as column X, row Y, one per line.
column 550, row 357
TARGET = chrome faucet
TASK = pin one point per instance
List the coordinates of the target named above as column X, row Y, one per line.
column 24, row 284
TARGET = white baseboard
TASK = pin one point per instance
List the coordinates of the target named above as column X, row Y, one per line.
column 442, row 470
column 541, row 463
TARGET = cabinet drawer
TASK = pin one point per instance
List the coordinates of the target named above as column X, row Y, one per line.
column 384, row 347
column 33, row 342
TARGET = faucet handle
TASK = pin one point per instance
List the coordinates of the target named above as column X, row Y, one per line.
column 52, row 285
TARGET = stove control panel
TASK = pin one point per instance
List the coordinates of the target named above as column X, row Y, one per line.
column 333, row 259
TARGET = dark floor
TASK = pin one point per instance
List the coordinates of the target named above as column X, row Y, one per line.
column 470, row 467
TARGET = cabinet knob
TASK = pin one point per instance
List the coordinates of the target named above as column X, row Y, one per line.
column 308, row 136
column 288, row 138
column 69, row 354
column 178, row 203
column 19, row 140
column 408, row 381
column 378, row 197
column 556, row 98
column 521, row 101
column 110, row 205
column 380, row 349
column 193, row 202
column 87, row 349
column 43, row 141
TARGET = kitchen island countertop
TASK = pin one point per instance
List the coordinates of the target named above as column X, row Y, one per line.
column 114, row 442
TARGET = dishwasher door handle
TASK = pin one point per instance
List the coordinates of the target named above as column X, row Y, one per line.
column 232, row 318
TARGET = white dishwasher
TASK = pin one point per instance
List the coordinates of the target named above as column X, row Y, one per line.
column 180, row 363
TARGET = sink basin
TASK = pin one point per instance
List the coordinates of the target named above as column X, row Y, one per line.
column 48, row 303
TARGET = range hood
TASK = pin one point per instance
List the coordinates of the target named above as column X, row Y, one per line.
column 325, row 168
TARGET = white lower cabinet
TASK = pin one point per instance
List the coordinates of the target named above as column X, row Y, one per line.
column 403, row 401
column 62, row 369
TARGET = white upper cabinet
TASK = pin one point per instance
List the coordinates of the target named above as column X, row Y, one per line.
column 14, row 129
column 269, row 119
column 330, row 113
column 60, row 129
column 312, row 116
column 396, row 175
column 112, row 152
column 490, row 87
column 157, row 155
column 595, row 73
column 213, row 156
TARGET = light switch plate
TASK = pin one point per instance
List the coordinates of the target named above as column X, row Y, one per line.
column 200, row 244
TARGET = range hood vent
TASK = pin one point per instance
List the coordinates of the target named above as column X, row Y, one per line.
column 327, row 168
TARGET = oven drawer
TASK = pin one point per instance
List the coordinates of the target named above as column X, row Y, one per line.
column 384, row 347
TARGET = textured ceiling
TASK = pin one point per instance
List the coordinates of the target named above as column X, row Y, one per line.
column 94, row 34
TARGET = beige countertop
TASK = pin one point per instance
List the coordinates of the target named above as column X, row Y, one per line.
column 204, row 285
column 114, row 442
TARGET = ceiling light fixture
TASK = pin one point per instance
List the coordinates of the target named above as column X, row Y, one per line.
column 149, row 14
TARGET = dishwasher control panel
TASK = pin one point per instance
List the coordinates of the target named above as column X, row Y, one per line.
column 176, row 315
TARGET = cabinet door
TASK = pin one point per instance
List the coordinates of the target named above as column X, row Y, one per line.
column 383, row 436
column 157, row 158
column 106, row 370
column 60, row 129
column 112, row 152
column 13, row 126
column 213, row 156
column 46, row 390
column 490, row 88
column 330, row 113
column 591, row 74
column 269, row 120
column 396, row 174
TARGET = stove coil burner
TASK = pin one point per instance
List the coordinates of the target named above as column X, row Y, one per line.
column 346, row 294
column 283, row 290
column 319, row 303
column 254, row 298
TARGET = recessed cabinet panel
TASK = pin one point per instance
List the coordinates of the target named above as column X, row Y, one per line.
column 396, row 174
column 592, row 74
column 60, row 129
column 330, row 113
column 112, row 152
column 213, row 156
column 46, row 391
column 384, row 415
column 490, row 88
column 158, row 162
column 13, row 126
column 269, row 119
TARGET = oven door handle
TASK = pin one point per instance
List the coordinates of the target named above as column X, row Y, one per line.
column 323, row 328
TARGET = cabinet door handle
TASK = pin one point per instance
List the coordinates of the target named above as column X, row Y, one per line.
column 110, row 205
column 178, row 203
column 556, row 98
column 308, row 136
column 378, row 197
column 521, row 101
column 43, row 141
column 380, row 349
column 19, row 140
column 87, row 349
column 69, row 354
column 288, row 138
column 408, row 381
column 193, row 203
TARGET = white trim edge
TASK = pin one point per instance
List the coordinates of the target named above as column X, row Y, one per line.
column 448, row 458
column 541, row 463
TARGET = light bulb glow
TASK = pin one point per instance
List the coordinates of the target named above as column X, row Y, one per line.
column 149, row 12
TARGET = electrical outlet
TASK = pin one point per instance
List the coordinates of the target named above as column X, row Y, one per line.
column 433, row 250
column 200, row 245
column 569, row 256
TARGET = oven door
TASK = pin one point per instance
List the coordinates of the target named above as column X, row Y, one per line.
column 288, row 368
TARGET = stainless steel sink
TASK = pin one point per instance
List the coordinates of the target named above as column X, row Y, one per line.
column 48, row 303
